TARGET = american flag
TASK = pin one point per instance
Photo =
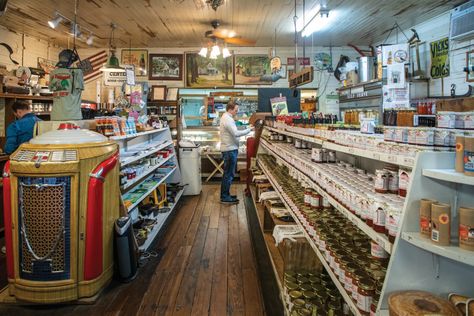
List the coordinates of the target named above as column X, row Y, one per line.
column 97, row 61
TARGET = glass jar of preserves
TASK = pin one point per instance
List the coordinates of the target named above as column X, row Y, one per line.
column 379, row 208
column 298, row 304
column 308, row 194
column 351, row 268
column 316, row 200
column 381, row 181
column 373, row 307
column 357, row 276
column 305, row 287
column 366, row 292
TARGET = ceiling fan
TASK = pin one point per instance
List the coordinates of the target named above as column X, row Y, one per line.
column 226, row 35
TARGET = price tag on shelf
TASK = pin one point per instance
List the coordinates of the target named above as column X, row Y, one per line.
column 409, row 161
column 392, row 158
column 350, row 150
column 376, row 156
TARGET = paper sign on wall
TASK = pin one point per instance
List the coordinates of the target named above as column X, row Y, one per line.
column 115, row 78
column 279, row 106
column 395, row 54
column 396, row 76
column 439, row 51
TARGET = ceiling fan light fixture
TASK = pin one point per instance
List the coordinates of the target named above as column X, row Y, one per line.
column 216, row 51
column 226, row 53
column 203, row 52
column 55, row 22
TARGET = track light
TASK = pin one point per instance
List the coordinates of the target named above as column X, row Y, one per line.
column 203, row 52
column 90, row 40
column 55, row 22
column 75, row 30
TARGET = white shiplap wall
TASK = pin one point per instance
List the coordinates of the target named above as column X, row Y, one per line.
column 435, row 29
column 284, row 52
column 33, row 48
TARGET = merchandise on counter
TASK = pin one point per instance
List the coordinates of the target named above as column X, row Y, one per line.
column 419, row 303
column 466, row 228
column 441, row 224
column 425, row 217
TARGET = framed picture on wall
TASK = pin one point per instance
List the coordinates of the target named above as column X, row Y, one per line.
column 172, row 94
column 166, row 67
column 251, row 70
column 158, row 93
column 138, row 58
column 470, row 66
column 203, row 72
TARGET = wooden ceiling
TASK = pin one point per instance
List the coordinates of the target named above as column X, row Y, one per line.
column 181, row 23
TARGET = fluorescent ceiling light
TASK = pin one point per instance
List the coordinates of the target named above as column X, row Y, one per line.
column 308, row 15
column 55, row 22
column 203, row 52
column 320, row 22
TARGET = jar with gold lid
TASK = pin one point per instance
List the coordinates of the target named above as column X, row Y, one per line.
column 298, row 304
column 356, row 277
column 302, row 280
column 309, row 295
column 294, row 295
column 305, row 287
column 343, row 262
column 366, row 292
column 290, row 287
column 290, row 279
column 304, row 312
column 314, row 280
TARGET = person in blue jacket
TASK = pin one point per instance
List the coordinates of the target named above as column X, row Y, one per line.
column 20, row 131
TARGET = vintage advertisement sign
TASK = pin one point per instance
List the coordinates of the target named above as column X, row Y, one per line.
column 439, row 51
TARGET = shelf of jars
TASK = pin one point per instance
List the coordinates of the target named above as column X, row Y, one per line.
column 357, row 196
column 319, row 226
column 371, row 146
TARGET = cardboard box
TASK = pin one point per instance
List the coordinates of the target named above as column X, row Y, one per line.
column 298, row 255
column 262, row 187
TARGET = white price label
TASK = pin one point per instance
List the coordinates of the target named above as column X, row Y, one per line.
column 350, row 150
column 392, row 158
column 376, row 156
column 409, row 161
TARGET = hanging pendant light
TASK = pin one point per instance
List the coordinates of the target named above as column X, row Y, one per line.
column 113, row 63
column 225, row 52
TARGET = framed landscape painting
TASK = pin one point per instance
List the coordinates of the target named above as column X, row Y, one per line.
column 202, row 72
column 252, row 70
column 166, row 67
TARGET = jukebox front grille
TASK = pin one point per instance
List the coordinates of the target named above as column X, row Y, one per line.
column 44, row 227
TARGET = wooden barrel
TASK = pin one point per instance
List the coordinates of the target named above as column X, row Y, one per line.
column 419, row 303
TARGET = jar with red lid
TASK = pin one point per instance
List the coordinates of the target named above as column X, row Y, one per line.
column 351, row 268
column 381, row 181
column 378, row 252
column 316, row 200
column 373, row 307
column 378, row 212
column 365, row 295
column 308, row 194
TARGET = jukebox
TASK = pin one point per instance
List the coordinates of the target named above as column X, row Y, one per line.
column 61, row 198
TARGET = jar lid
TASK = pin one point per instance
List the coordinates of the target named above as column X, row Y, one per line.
column 304, row 312
column 302, row 280
column 299, row 302
column 295, row 294
column 366, row 284
column 309, row 295
column 314, row 280
column 305, row 287
column 292, row 286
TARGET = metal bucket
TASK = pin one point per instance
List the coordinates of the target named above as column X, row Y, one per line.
column 366, row 68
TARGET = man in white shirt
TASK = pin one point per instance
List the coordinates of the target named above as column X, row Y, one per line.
column 230, row 149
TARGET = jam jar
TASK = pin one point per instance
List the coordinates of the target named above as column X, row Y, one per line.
column 351, row 268
column 366, row 292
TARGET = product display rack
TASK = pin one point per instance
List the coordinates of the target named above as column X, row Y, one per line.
column 284, row 155
column 401, row 160
column 416, row 263
column 334, row 278
column 276, row 260
column 139, row 146
column 161, row 219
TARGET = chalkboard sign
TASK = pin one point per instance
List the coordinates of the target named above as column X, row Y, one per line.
column 265, row 94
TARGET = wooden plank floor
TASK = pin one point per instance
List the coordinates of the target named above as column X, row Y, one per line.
column 206, row 267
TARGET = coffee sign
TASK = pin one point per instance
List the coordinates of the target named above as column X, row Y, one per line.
column 439, row 51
